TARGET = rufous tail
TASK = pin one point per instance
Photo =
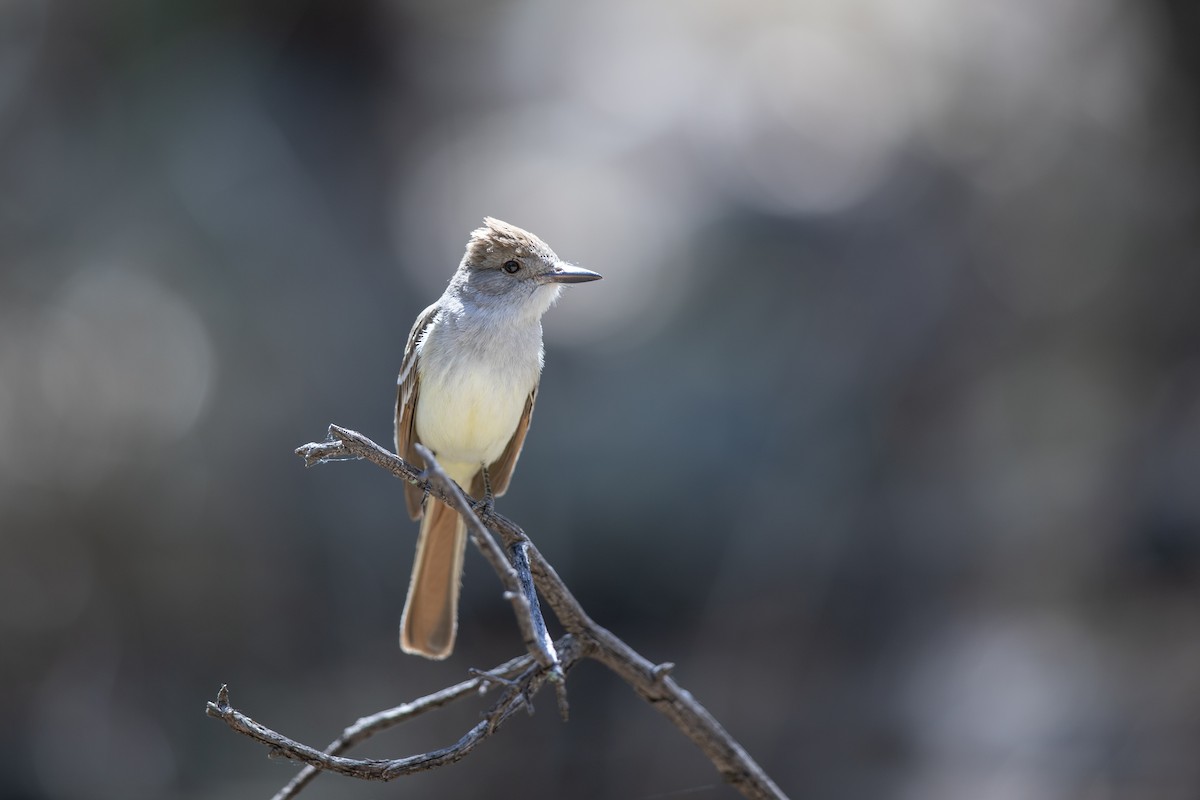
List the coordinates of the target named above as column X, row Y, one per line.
column 430, row 617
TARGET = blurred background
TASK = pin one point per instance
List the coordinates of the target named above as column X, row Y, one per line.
column 884, row 424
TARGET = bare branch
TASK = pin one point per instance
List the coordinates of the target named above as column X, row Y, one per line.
column 586, row 639
column 366, row 727
column 652, row 682
column 517, row 694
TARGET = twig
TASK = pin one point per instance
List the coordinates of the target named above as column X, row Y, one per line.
column 515, row 697
column 586, row 640
column 366, row 727
column 518, row 556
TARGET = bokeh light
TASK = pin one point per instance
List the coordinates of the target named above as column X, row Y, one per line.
column 884, row 424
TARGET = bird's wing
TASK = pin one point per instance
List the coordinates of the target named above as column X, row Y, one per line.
column 500, row 471
column 407, row 389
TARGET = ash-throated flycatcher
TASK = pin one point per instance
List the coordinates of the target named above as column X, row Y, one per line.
column 466, row 391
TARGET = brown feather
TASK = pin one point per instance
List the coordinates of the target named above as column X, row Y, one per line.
column 407, row 389
column 430, row 618
column 500, row 471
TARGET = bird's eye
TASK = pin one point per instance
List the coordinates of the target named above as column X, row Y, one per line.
column 512, row 266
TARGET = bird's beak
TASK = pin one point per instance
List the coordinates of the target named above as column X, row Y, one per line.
column 568, row 273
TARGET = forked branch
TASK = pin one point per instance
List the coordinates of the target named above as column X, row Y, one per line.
column 520, row 678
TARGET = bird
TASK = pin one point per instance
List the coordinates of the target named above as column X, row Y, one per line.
column 466, row 390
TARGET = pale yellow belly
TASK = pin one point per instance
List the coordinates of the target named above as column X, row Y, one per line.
column 468, row 419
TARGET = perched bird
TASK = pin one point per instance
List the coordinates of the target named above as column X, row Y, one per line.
column 466, row 391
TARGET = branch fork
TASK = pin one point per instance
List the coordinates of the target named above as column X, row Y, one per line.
column 523, row 573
